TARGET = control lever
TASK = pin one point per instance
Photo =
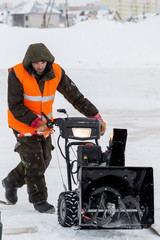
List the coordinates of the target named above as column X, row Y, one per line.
column 49, row 121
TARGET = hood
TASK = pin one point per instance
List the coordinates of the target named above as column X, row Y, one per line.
column 36, row 53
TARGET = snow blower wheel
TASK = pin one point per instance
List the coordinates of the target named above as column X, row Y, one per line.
column 67, row 209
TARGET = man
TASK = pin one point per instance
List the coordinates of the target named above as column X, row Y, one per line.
column 31, row 89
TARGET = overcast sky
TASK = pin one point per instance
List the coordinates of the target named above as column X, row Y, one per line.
column 19, row 1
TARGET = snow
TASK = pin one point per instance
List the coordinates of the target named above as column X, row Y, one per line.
column 117, row 67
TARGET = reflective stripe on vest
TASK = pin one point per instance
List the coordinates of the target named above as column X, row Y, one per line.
column 39, row 98
column 33, row 98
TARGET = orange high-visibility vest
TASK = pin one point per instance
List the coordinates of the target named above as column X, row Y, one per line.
column 33, row 98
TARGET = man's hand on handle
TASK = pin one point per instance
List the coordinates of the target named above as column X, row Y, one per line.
column 103, row 124
column 39, row 125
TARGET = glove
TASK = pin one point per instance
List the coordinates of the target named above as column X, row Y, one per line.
column 40, row 125
column 103, row 128
column 103, row 124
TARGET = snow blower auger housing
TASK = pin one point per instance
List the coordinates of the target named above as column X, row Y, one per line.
column 108, row 194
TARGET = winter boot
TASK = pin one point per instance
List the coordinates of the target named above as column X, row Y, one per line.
column 10, row 192
column 44, row 207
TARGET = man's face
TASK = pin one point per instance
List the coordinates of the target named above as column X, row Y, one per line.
column 39, row 67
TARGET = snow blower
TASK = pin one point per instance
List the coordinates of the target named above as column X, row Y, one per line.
column 108, row 194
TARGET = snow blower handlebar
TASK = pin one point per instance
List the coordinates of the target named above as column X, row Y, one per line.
column 49, row 125
column 78, row 128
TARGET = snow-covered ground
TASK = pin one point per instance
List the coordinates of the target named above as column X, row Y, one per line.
column 116, row 66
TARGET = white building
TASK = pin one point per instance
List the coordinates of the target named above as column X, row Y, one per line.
column 33, row 14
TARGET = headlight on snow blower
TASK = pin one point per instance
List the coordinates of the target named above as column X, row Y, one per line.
column 81, row 132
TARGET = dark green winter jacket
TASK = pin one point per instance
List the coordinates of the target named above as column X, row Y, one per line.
column 35, row 53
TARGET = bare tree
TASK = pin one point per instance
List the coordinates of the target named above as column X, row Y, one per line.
column 50, row 14
column 45, row 13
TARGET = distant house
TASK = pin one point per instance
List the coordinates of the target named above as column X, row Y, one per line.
column 114, row 15
column 2, row 16
column 34, row 14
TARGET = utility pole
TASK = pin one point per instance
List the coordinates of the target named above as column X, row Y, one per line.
column 115, row 5
column 130, row 9
column 67, row 22
column 144, row 10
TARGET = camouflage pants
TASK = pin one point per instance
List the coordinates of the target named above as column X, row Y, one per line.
column 35, row 154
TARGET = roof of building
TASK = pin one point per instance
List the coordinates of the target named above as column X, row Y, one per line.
column 34, row 7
